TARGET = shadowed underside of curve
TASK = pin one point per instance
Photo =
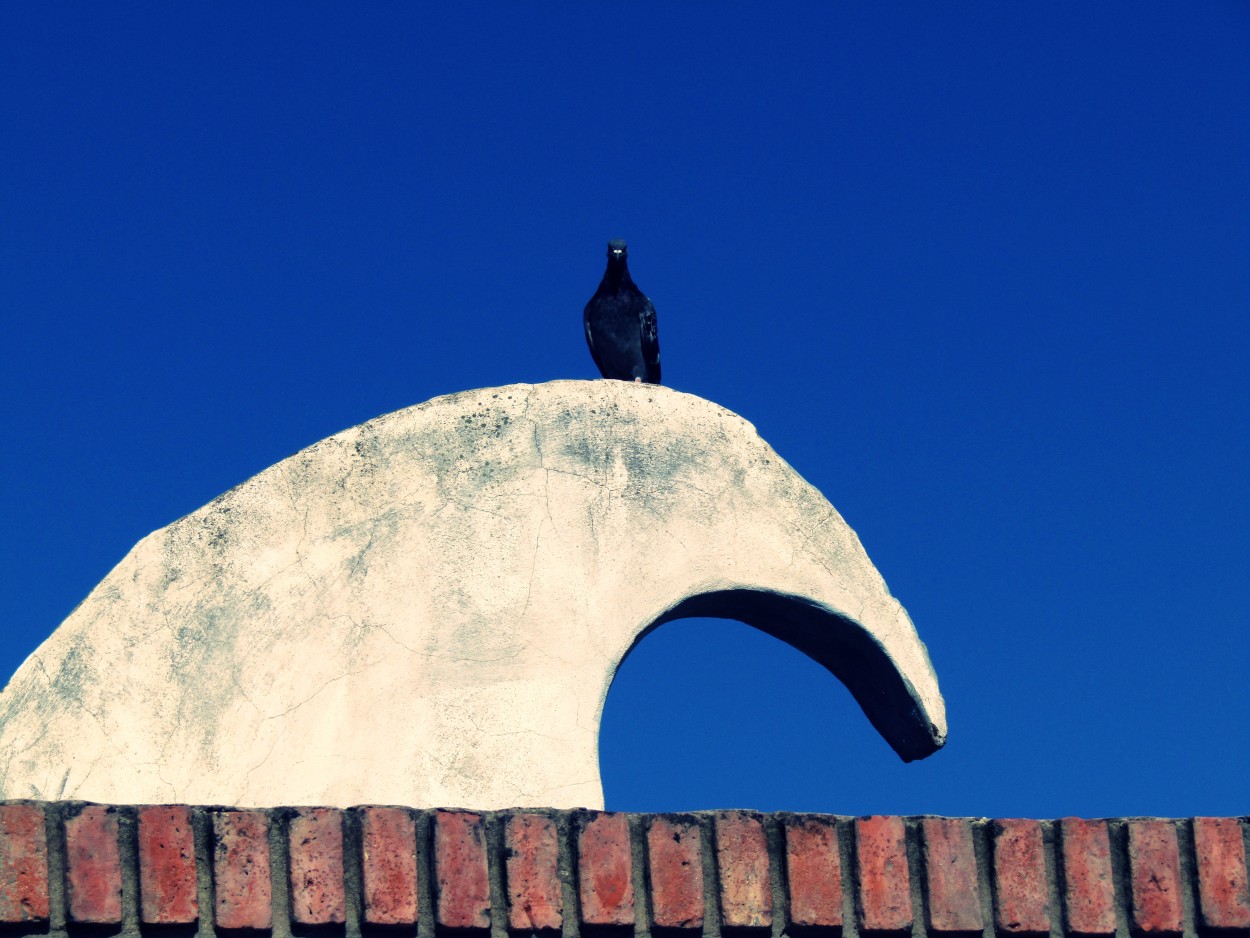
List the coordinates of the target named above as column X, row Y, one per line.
column 839, row 644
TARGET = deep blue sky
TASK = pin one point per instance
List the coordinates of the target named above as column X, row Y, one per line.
column 981, row 274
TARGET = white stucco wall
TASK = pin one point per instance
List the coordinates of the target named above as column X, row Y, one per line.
column 428, row 609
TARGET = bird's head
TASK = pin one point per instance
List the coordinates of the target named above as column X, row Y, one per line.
column 617, row 250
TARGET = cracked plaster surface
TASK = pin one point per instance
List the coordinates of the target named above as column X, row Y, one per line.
column 429, row 608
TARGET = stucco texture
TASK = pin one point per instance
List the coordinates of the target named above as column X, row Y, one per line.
column 429, row 608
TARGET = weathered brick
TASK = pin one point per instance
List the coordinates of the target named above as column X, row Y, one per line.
column 167, row 884
column 535, row 894
column 950, row 864
column 23, row 865
column 1223, row 896
column 746, row 899
column 1089, row 894
column 241, row 870
column 1020, row 886
column 316, row 852
column 814, row 870
column 463, row 890
column 1155, row 872
column 93, row 866
column 389, row 865
column 675, row 864
column 605, row 870
column 884, row 880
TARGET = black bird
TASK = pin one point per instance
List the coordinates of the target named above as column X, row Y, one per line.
column 620, row 325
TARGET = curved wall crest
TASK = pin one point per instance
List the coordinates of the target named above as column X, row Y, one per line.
column 428, row 609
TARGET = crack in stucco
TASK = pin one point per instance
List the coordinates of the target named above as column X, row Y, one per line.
column 247, row 776
column 234, row 676
column 99, row 756
column 499, row 734
column 334, row 680
column 466, row 507
column 408, row 648
column 529, row 589
column 538, row 534
column 598, row 483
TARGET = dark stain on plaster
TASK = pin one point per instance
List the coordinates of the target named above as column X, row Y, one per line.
column 71, row 677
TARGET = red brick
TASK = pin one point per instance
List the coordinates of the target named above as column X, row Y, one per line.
column 814, row 869
column 460, row 870
column 167, row 884
column 241, row 870
column 884, row 880
column 23, row 864
column 605, row 870
column 535, row 893
column 1023, row 906
column 950, row 864
column 93, row 867
column 746, row 899
column 316, row 851
column 1089, row 895
column 1155, row 872
column 389, row 865
column 1223, row 896
column 676, row 867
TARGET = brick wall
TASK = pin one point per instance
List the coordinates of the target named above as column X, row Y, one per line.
column 73, row 868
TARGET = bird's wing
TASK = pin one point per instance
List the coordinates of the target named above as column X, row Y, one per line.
column 650, row 337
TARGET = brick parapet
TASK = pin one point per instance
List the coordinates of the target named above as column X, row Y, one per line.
column 68, row 868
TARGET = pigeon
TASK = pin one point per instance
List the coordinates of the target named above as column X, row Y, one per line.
column 620, row 325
